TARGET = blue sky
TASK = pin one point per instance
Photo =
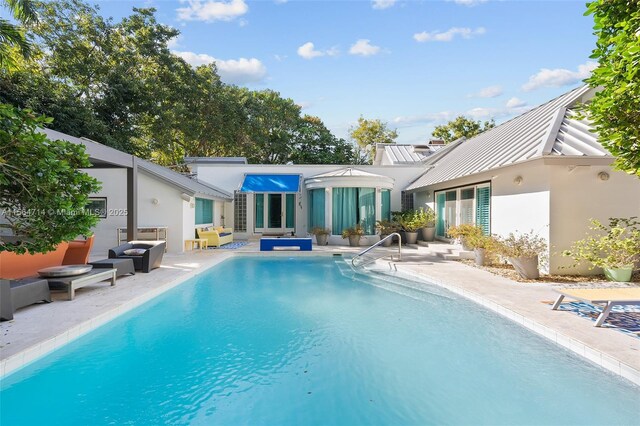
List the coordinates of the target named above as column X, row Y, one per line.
column 413, row 64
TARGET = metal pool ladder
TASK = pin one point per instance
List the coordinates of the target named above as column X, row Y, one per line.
column 360, row 259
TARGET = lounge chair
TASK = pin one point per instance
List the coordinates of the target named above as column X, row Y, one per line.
column 150, row 259
column 16, row 294
column 78, row 252
column 608, row 296
column 216, row 236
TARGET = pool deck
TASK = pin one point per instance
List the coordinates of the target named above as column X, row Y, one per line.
column 40, row 329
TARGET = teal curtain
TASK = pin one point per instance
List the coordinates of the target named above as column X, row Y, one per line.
column 367, row 209
column 204, row 211
column 483, row 209
column 259, row 201
column 345, row 209
column 316, row 208
column 440, row 204
column 290, row 212
column 386, row 204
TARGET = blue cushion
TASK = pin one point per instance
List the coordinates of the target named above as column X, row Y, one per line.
column 224, row 234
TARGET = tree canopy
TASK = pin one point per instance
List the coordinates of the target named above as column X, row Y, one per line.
column 43, row 195
column 615, row 109
column 461, row 126
column 367, row 134
column 118, row 83
column 13, row 38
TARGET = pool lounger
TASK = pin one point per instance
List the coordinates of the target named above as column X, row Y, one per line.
column 268, row 244
column 608, row 296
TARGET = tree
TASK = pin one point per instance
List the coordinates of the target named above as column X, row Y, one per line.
column 315, row 144
column 368, row 133
column 13, row 36
column 43, row 195
column 461, row 126
column 615, row 110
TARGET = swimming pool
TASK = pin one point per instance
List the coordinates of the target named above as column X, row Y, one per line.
column 278, row 340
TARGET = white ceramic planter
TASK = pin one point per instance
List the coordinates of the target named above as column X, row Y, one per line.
column 527, row 267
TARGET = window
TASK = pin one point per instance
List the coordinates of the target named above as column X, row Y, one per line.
column 463, row 205
column 352, row 206
column 97, row 206
column 240, row 212
column 316, row 208
column 259, row 210
column 406, row 201
column 290, row 211
column 204, row 211
column 483, row 208
column 467, row 196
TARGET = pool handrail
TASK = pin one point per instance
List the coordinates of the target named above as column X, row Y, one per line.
column 368, row 249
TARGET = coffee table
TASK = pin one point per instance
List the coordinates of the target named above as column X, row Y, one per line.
column 122, row 266
column 71, row 284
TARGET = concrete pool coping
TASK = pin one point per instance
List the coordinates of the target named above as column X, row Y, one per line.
column 24, row 340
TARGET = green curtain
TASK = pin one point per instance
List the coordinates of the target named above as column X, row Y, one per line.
column 367, row 209
column 440, row 208
column 386, row 204
column 259, row 202
column 483, row 209
column 316, row 208
column 345, row 209
column 204, row 211
column 290, row 211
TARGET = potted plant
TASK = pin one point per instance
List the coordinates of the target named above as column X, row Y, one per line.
column 523, row 251
column 411, row 222
column 386, row 228
column 322, row 235
column 353, row 234
column 464, row 232
column 616, row 249
column 482, row 245
column 428, row 231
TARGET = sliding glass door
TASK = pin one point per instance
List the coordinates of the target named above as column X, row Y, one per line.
column 471, row 204
column 274, row 213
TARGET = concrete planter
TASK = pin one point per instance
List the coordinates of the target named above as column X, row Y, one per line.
column 428, row 234
column 527, row 267
column 480, row 255
column 622, row 275
column 354, row 240
column 322, row 239
column 386, row 243
column 412, row 237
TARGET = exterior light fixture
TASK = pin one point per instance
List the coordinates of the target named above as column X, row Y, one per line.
column 603, row 176
column 155, row 201
column 518, row 180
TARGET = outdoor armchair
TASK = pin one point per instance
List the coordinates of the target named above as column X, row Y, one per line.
column 150, row 259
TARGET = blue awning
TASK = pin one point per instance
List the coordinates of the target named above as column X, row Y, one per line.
column 270, row 183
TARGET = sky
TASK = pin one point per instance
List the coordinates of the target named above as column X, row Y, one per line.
column 412, row 64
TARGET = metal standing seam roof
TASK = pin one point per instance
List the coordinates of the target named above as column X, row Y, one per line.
column 102, row 154
column 406, row 154
column 551, row 129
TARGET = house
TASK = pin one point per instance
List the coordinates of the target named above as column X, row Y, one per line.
column 543, row 171
column 153, row 199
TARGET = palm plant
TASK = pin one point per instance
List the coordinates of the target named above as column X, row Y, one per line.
column 12, row 35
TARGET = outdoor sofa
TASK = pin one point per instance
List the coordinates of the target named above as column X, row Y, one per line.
column 16, row 294
column 150, row 257
column 216, row 236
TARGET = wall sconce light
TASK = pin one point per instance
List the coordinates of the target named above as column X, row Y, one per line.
column 603, row 176
column 155, row 201
column 185, row 197
column 518, row 180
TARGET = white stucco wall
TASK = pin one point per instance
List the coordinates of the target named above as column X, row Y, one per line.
column 230, row 176
column 578, row 195
column 114, row 184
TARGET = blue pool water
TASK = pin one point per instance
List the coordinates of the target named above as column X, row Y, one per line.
column 294, row 341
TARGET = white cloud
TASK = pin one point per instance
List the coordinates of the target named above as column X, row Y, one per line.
column 558, row 77
column 308, row 51
column 210, row 11
column 478, row 113
column 363, row 47
column 280, row 1
column 382, row 4
column 448, row 35
column 280, row 58
column 469, row 2
column 305, row 105
column 515, row 103
column 234, row 71
column 174, row 42
column 488, row 92
column 436, row 117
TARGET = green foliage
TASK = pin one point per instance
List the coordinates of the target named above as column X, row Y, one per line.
column 528, row 244
column 465, row 233
column 367, row 134
column 13, row 40
column 353, row 231
column 412, row 220
column 320, row 231
column 614, row 109
column 118, row 83
column 461, row 126
column 616, row 245
column 42, row 193
column 386, row 227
